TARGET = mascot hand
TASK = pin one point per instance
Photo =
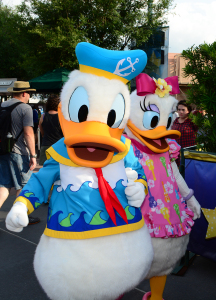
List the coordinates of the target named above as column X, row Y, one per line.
column 17, row 217
column 135, row 191
column 194, row 205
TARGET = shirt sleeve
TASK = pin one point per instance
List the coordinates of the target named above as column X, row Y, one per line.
column 131, row 161
column 27, row 116
column 174, row 149
column 36, row 191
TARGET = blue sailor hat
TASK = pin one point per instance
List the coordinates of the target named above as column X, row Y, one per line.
column 112, row 64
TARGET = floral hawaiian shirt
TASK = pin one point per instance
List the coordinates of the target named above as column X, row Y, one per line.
column 165, row 211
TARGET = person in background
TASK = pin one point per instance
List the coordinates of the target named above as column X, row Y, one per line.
column 183, row 124
column 16, row 167
column 49, row 126
column 35, row 121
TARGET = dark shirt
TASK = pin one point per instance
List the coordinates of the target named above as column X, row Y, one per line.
column 35, row 116
column 52, row 129
column 188, row 132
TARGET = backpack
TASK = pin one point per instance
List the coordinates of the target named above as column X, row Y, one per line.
column 6, row 139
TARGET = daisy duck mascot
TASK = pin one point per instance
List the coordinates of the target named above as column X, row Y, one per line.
column 170, row 207
column 95, row 245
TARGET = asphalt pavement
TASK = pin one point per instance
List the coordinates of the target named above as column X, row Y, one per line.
column 18, row 281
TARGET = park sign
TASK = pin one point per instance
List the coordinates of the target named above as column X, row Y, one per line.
column 5, row 83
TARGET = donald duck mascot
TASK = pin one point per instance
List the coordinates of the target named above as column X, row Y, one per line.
column 170, row 207
column 95, row 245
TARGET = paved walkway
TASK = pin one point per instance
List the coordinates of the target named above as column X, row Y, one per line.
column 18, row 281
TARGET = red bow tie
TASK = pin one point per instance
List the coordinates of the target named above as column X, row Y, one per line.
column 109, row 198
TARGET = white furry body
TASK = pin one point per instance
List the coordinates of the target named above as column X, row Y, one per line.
column 93, row 269
column 167, row 253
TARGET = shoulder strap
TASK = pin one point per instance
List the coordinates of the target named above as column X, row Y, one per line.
column 10, row 109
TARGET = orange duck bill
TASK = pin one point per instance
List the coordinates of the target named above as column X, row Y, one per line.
column 90, row 143
column 154, row 139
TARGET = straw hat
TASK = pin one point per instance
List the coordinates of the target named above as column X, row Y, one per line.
column 20, row 86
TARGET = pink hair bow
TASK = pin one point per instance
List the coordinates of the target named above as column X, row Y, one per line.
column 146, row 85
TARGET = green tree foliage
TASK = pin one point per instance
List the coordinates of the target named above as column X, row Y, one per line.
column 201, row 67
column 13, row 44
column 56, row 26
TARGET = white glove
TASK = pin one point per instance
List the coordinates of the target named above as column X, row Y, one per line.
column 135, row 191
column 17, row 217
column 194, row 205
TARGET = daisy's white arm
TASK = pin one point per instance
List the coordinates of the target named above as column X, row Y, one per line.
column 183, row 187
column 184, row 190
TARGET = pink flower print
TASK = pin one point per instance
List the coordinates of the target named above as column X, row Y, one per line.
column 190, row 223
column 172, row 178
column 169, row 229
column 151, row 230
column 142, row 162
column 170, row 172
column 188, row 229
column 172, row 147
column 181, row 231
column 151, row 183
column 183, row 216
column 174, row 154
column 169, row 169
column 145, row 156
column 156, row 230
column 168, row 187
column 148, row 218
column 160, row 205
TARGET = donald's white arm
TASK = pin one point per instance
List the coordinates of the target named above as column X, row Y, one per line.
column 135, row 191
column 17, row 217
column 192, row 203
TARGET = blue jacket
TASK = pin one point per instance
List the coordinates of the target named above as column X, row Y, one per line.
column 76, row 209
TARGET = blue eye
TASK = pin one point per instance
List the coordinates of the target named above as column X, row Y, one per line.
column 79, row 105
column 151, row 119
column 169, row 121
column 117, row 111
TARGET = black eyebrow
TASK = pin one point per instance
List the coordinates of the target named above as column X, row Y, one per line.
column 143, row 109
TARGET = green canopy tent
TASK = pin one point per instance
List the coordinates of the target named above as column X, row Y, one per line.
column 51, row 82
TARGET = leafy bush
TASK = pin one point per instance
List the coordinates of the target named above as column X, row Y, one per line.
column 201, row 67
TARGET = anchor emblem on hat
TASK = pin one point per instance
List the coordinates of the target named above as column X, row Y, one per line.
column 111, row 64
column 131, row 65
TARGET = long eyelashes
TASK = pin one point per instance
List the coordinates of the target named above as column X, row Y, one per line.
column 144, row 106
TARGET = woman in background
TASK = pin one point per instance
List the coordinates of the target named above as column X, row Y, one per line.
column 183, row 124
column 49, row 126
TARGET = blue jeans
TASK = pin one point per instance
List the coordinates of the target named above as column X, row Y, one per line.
column 14, row 170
